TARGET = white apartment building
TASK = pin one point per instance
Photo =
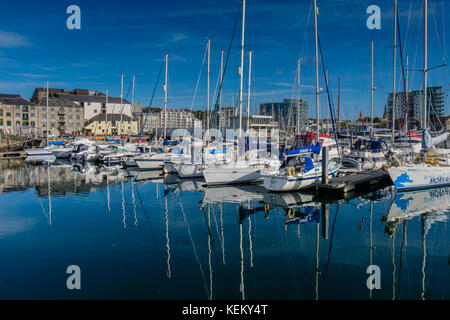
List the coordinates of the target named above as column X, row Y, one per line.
column 92, row 102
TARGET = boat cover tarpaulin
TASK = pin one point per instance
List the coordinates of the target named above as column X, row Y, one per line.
column 307, row 149
column 56, row 143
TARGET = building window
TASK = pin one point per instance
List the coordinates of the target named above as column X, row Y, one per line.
column 17, row 123
column 1, row 112
column 33, row 123
column 95, row 110
column 32, row 107
column 17, row 107
column 8, row 123
column 1, row 122
column 32, row 115
column 17, row 114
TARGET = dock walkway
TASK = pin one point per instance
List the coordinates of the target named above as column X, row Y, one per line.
column 356, row 182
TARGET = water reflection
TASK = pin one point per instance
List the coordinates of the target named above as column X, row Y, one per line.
column 186, row 240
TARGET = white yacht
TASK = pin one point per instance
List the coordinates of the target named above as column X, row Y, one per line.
column 299, row 177
column 248, row 169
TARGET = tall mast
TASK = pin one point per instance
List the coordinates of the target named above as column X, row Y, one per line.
column 298, row 97
column 316, row 12
column 165, row 96
column 249, row 86
column 371, row 88
column 425, row 63
column 132, row 101
column 241, row 69
column 220, row 88
column 328, row 106
column 339, row 105
column 221, row 79
column 48, row 128
column 393, row 80
column 207, row 85
column 407, row 98
column 106, row 113
column 121, row 101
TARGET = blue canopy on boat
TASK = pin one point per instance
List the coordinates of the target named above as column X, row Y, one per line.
column 219, row 150
column 57, row 143
column 112, row 140
column 170, row 143
column 306, row 149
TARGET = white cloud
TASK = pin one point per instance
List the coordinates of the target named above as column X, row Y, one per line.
column 12, row 40
column 178, row 37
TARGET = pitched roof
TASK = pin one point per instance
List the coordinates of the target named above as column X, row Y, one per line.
column 78, row 95
column 111, row 117
column 14, row 99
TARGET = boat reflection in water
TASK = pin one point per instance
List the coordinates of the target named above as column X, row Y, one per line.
column 166, row 238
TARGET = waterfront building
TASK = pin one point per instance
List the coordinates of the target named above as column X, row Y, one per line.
column 148, row 121
column 290, row 114
column 178, row 118
column 17, row 115
column 91, row 102
column 110, row 124
column 415, row 106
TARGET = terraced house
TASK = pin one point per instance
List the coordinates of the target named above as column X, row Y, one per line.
column 17, row 115
column 62, row 117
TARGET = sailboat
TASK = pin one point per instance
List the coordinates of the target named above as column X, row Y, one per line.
column 301, row 172
column 250, row 166
column 427, row 171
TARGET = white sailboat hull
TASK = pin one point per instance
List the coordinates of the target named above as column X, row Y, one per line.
column 189, row 170
column 410, row 178
column 217, row 176
column 296, row 182
column 149, row 163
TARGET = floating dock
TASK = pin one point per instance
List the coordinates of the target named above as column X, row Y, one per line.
column 354, row 183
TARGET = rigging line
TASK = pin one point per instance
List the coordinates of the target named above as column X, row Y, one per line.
column 149, row 223
column 126, row 97
column 330, row 100
column 192, row 242
column 199, row 77
column 214, row 251
column 34, row 183
column 401, row 258
column 408, row 25
column 403, row 76
column 438, row 38
column 443, row 26
column 150, row 104
column 217, row 225
column 228, row 52
column 331, row 245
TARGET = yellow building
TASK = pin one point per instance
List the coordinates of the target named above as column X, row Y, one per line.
column 110, row 124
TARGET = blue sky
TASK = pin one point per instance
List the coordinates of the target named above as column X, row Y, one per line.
column 132, row 37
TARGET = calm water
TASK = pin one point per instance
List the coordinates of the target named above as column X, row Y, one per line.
column 133, row 236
